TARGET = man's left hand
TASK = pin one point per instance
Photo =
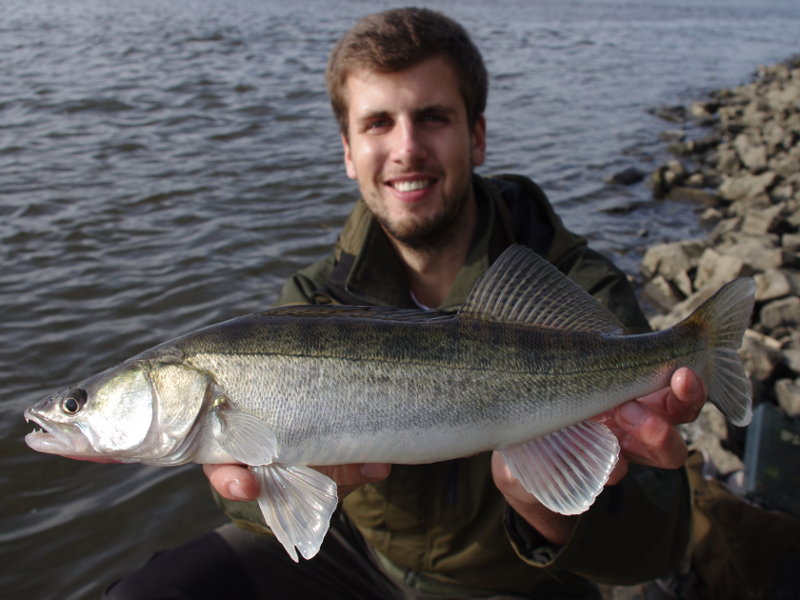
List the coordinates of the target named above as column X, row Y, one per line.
column 647, row 432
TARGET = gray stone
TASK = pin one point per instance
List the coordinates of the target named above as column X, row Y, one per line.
column 746, row 185
column 791, row 358
column 783, row 312
column 751, row 151
column 760, row 354
column 670, row 259
column 771, row 285
column 790, row 242
column 756, row 252
column 763, row 221
column 787, row 391
column 714, row 270
column 660, row 292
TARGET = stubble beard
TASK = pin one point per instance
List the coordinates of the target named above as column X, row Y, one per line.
column 430, row 233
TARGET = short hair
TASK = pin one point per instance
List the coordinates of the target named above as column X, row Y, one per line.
column 398, row 39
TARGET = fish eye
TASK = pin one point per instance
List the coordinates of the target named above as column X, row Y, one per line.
column 74, row 401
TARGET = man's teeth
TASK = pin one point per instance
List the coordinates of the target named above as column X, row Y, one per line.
column 411, row 186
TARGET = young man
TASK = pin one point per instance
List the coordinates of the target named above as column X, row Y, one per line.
column 408, row 88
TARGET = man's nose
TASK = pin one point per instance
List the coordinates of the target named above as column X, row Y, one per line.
column 409, row 143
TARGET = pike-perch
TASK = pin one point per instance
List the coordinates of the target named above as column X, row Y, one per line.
column 520, row 368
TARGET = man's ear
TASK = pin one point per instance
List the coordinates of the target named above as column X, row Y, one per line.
column 479, row 141
column 348, row 160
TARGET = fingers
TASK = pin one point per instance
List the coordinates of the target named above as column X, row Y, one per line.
column 349, row 477
column 233, row 482
column 236, row 482
column 682, row 401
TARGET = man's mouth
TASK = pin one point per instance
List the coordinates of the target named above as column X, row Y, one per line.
column 411, row 185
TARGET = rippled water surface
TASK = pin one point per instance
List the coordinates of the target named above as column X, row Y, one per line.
column 165, row 165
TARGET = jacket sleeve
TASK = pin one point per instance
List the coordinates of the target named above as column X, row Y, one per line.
column 638, row 529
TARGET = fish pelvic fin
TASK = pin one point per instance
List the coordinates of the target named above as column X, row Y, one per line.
column 297, row 503
column 522, row 287
column 725, row 317
column 565, row 470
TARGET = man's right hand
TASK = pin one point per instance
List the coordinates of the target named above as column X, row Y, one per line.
column 236, row 482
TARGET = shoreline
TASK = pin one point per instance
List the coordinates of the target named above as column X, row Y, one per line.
column 746, row 170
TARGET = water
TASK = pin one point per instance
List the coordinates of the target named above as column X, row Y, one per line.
column 165, row 165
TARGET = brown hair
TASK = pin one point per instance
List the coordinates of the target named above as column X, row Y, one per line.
column 398, row 39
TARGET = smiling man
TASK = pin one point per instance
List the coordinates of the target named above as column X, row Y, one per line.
column 408, row 89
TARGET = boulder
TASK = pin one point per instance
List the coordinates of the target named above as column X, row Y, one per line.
column 746, row 185
column 787, row 392
column 771, row 285
column 715, row 269
column 781, row 313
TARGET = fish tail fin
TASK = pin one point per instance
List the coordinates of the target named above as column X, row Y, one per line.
column 725, row 317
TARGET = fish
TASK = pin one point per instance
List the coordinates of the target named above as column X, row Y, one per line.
column 521, row 367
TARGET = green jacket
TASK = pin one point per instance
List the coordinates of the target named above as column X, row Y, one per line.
column 445, row 526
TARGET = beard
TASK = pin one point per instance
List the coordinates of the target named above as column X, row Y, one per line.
column 432, row 232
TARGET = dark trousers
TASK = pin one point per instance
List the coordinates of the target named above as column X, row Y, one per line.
column 233, row 563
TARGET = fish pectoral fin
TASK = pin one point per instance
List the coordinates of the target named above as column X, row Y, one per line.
column 297, row 504
column 246, row 438
column 567, row 469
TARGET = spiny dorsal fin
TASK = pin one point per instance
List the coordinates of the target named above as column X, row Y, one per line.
column 522, row 287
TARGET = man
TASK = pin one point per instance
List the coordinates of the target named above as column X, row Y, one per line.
column 408, row 88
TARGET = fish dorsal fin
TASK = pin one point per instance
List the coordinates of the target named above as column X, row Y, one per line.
column 522, row 287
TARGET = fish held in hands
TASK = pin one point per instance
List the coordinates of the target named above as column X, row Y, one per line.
column 520, row 368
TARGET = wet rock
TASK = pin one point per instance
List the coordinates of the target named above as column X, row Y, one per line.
column 627, row 176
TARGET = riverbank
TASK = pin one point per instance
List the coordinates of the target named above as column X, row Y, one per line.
column 738, row 155
column 745, row 166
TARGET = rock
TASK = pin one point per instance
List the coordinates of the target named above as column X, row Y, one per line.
column 660, row 292
column 751, row 152
column 791, row 358
column 791, row 242
column 787, row 392
column 754, row 251
column 771, row 284
column 784, row 312
column 673, row 114
column 763, row 221
column 746, row 185
column 715, row 269
column 670, row 259
column 688, row 194
column 627, row 176
column 760, row 354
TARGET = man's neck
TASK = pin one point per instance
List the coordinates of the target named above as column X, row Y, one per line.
column 431, row 272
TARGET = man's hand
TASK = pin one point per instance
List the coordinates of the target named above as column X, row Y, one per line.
column 647, row 434
column 236, row 482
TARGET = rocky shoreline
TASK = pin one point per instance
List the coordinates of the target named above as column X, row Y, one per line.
column 745, row 168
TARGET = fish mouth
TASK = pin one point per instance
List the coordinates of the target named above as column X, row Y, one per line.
column 51, row 438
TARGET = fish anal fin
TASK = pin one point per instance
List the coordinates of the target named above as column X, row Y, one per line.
column 565, row 470
column 297, row 503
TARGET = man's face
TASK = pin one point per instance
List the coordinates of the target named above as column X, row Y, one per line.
column 411, row 149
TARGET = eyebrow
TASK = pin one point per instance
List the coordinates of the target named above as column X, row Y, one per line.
column 432, row 108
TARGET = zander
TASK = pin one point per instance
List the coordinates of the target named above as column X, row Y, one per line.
column 521, row 368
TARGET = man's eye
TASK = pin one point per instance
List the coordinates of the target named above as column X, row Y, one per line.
column 378, row 124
